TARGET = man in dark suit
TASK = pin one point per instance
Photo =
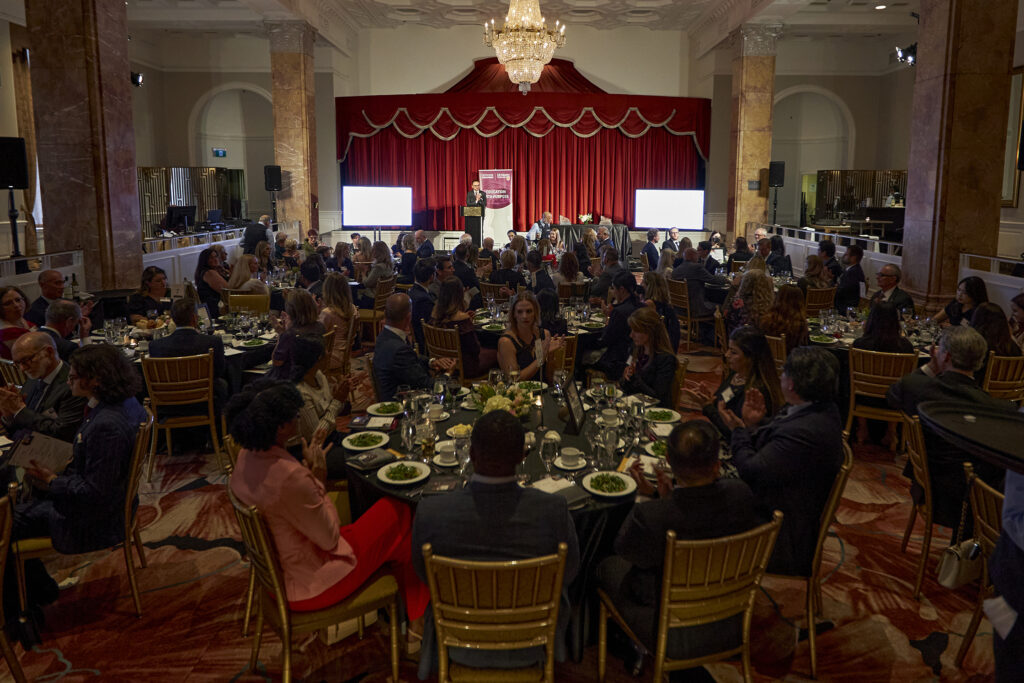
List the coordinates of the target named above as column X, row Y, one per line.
column 604, row 238
column 51, row 288
column 827, row 252
column 493, row 518
column 696, row 277
column 422, row 298
column 62, row 317
column 651, row 249
column 888, row 278
column 696, row 505
column 610, row 267
column 394, row 360
column 477, row 197
column 309, row 278
column 673, row 240
column 45, row 404
column 467, row 274
column 488, row 251
column 615, row 340
column 949, row 376
column 705, row 258
column 538, row 277
column 849, row 284
column 424, row 247
column 791, row 462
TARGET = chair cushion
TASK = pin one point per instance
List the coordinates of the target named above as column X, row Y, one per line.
column 464, row 674
column 41, row 544
column 375, row 592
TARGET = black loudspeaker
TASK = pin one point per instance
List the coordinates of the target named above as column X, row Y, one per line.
column 13, row 164
column 776, row 174
column 272, row 178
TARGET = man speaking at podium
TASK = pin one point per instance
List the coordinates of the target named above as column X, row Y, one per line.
column 475, row 197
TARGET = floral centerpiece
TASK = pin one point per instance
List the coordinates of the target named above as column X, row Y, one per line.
column 509, row 398
column 586, row 218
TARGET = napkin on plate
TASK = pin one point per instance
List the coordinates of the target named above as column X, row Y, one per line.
column 231, row 351
column 551, row 485
column 269, row 336
column 662, row 428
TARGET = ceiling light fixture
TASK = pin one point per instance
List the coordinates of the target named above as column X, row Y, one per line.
column 524, row 44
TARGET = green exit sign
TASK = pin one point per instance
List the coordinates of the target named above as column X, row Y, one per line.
column 219, row 152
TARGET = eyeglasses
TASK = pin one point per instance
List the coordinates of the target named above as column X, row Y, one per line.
column 25, row 362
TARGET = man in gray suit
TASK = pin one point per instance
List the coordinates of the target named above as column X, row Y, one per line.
column 493, row 518
column 610, row 267
column 45, row 404
column 696, row 277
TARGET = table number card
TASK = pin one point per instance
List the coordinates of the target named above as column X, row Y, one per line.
column 576, row 410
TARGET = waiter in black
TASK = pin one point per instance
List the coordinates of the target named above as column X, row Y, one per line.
column 475, row 197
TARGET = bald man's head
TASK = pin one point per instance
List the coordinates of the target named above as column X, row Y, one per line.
column 398, row 311
column 36, row 352
column 51, row 284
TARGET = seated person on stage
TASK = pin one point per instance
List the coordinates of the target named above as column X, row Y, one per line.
column 82, row 508
column 655, row 286
column 614, row 343
column 423, row 298
column 507, row 275
column 970, row 293
column 493, row 518
column 537, row 273
column 245, row 276
column 653, row 367
column 748, row 365
column 550, row 318
column 187, row 340
column 651, row 249
column 466, row 273
column 787, row 316
column 424, row 247
column 849, row 284
column 450, row 313
column 394, row 360
column 524, row 346
column 338, row 314
column 816, row 275
column 150, row 296
column 45, row 404
column 62, row 319
column 791, row 462
column 697, row 505
column 888, row 278
column 609, row 268
column 949, row 376
column 13, row 324
column 541, row 228
column 322, row 561
column 407, row 260
column 568, row 270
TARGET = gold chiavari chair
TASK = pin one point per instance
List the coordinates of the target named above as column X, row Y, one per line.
column 918, row 458
column 1004, row 377
column 374, row 317
column 819, row 300
column 443, row 342
column 6, row 519
column 778, row 348
column 689, row 324
column 871, row 375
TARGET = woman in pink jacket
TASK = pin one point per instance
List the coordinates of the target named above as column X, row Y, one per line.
column 322, row 561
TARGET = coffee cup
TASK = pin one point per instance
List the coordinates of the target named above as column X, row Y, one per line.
column 435, row 411
column 571, row 456
column 610, row 417
column 446, row 452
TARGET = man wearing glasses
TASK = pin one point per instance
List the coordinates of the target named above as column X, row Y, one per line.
column 45, row 404
column 888, row 277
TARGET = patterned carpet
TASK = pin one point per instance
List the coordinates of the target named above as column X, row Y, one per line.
column 192, row 597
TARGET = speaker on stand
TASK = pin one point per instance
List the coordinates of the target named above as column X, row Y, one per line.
column 13, row 176
column 776, row 179
column 272, row 183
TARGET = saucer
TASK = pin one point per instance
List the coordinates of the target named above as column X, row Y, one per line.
column 560, row 464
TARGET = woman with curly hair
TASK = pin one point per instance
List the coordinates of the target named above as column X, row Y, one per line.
column 338, row 314
column 568, row 270
column 749, row 364
column 753, row 299
column 450, row 313
column 653, row 367
column 787, row 316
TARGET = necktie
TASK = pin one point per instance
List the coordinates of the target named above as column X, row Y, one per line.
column 38, row 398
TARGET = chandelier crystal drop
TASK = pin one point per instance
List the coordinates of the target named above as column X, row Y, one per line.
column 524, row 44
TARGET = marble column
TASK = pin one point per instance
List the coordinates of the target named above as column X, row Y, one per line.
column 291, row 65
column 81, row 93
column 957, row 141
column 750, row 145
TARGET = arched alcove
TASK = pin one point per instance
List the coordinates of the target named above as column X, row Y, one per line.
column 238, row 118
column 812, row 130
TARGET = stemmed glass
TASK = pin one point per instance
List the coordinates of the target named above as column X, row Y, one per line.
column 513, row 376
column 559, row 379
column 548, row 451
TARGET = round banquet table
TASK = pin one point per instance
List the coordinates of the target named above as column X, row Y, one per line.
column 597, row 520
column 992, row 435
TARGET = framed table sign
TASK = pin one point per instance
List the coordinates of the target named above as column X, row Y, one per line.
column 576, row 411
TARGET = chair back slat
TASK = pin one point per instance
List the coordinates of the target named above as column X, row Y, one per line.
column 495, row 605
column 328, row 343
column 713, row 579
column 682, row 363
column 490, row 289
column 987, row 509
column 778, row 348
column 917, row 456
column 1004, row 377
column 568, row 290
column 141, row 448
column 253, row 303
column 645, row 264
column 259, row 546
column 12, row 372
column 820, row 299
column 835, row 496
column 179, row 381
column 385, row 288
column 444, row 342
column 873, row 372
column 373, row 377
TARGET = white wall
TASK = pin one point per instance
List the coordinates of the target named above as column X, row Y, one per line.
column 625, row 60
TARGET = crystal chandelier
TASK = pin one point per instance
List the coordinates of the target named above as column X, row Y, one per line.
column 524, row 45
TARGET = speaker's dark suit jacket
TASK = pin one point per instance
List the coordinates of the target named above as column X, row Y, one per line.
column 471, row 200
column 49, row 409
column 65, row 347
column 395, row 363
column 790, row 464
column 945, row 461
column 422, row 308
column 494, row 522
column 85, row 504
column 188, row 341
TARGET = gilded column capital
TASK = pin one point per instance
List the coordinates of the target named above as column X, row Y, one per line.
column 290, row 36
column 757, row 40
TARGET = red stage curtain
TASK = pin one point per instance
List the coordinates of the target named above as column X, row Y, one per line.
column 560, row 75
column 571, row 154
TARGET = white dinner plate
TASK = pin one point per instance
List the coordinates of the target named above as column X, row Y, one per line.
column 347, row 442
column 421, row 467
column 532, row 383
column 675, row 417
column 650, row 449
column 249, row 343
column 376, row 409
column 630, row 484
column 470, row 405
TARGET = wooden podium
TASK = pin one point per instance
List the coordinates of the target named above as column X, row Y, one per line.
column 473, row 216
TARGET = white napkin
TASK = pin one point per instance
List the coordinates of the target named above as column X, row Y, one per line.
column 231, row 351
column 269, row 336
column 379, row 422
column 549, row 485
column 662, row 428
column 648, row 463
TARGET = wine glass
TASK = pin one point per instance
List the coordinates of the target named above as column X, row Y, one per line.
column 548, row 451
column 513, row 376
column 559, row 378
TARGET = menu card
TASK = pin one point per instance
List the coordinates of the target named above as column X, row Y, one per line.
column 48, row 452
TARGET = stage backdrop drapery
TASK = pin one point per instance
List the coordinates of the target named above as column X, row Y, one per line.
column 572, row 153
